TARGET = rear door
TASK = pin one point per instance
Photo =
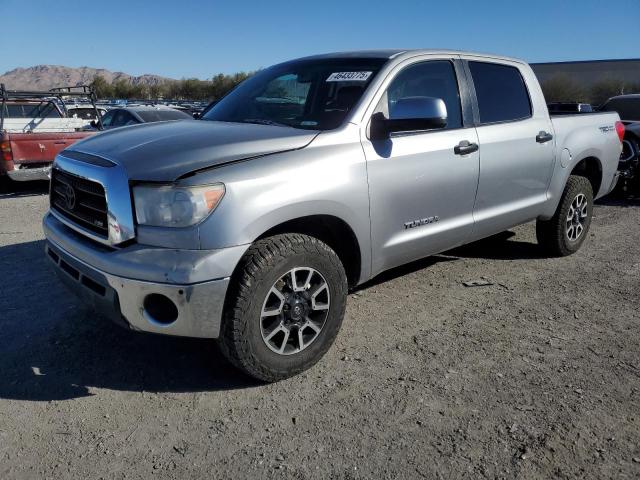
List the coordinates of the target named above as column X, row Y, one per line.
column 516, row 146
column 421, row 192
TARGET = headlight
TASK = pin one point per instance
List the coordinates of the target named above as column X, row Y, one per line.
column 173, row 206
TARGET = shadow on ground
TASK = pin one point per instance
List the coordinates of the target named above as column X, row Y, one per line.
column 619, row 201
column 499, row 247
column 496, row 247
column 10, row 189
column 54, row 348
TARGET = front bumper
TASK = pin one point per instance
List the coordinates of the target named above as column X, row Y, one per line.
column 29, row 174
column 198, row 308
column 118, row 283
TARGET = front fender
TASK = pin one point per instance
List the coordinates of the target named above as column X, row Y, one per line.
column 326, row 178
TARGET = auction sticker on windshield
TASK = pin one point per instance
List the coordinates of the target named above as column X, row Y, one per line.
column 349, row 77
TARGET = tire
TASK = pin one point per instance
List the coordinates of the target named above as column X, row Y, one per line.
column 5, row 184
column 555, row 235
column 247, row 337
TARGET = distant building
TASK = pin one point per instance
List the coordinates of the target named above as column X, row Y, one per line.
column 587, row 73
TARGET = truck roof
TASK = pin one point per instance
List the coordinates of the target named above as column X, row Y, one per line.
column 626, row 96
column 395, row 53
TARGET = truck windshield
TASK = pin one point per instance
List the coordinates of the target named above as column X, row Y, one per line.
column 310, row 94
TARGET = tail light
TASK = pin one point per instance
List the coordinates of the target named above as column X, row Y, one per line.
column 620, row 130
column 7, row 154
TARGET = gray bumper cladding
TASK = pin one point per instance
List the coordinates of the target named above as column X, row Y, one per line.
column 184, row 310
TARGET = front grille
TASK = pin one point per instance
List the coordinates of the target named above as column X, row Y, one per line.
column 80, row 200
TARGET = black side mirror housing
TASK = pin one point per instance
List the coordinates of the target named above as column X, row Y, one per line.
column 410, row 114
column 94, row 124
column 197, row 115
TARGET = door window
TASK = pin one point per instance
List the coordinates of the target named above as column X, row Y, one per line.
column 501, row 92
column 107, row 119
column 436, row 79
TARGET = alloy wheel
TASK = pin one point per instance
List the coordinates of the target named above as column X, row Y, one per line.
column 295, row 310
column 577, row 217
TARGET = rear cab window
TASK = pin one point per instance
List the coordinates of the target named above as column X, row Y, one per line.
column 501, row 92
column 31, row 110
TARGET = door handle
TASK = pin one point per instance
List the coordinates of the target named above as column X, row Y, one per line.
column 465, row 147
column 543, row 137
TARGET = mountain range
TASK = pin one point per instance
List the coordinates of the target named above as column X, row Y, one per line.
column 45, row 77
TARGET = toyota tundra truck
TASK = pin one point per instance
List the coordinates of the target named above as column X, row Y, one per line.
column 313, row 176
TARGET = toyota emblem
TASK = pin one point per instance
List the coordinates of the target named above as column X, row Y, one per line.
column 69, row 196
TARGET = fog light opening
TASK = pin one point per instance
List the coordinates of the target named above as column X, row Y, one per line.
column 159, row 309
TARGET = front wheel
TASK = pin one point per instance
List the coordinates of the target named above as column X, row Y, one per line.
column 284, row 308
column 565, row 232
column 5, row 184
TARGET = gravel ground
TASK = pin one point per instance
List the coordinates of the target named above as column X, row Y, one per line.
column 534, row 376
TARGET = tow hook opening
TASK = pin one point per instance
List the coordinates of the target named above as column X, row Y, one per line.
column 159, row 309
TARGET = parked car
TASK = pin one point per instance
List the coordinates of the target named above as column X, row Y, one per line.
column 311, row 177
column 200, row 114
column 120, row 117
column 85, row 112
column 33, row 129
column 628, row 107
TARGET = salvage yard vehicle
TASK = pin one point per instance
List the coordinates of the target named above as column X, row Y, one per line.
column 85, row 112
column 34, row 127
column 122, row 117
column 628, row 107
column 310, row 178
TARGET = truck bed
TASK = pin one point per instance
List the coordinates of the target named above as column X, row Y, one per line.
column 584, row 135
column 28, row 156
column 42, row 125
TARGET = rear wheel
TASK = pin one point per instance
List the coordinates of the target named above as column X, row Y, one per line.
column 565, row 232
column 284, row 308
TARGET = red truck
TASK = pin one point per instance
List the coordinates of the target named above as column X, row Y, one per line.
column 34, row 128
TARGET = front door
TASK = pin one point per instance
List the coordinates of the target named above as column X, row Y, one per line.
column 422, row 189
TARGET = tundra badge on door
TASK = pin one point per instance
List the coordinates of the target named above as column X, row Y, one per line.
column 422, row 221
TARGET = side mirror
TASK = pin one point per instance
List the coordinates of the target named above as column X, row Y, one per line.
column 410, row 114
column 196, row 115
column 94, row 124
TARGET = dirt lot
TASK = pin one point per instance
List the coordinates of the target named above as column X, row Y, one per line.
column 535, row 376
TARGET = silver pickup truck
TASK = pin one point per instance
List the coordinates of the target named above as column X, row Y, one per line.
column 310, row 178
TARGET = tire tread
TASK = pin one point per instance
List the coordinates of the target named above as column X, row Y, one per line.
column 261, row 256
column 551, row 233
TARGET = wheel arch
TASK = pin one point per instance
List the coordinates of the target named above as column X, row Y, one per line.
column 589, row 167
column 331, row 230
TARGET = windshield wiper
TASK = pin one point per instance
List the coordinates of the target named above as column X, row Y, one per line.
column 264, row 121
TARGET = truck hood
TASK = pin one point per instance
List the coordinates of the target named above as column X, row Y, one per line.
column 165, row 151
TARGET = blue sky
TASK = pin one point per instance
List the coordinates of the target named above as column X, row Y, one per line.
column 201, row 38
